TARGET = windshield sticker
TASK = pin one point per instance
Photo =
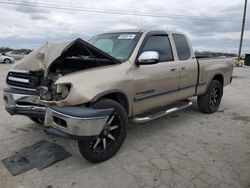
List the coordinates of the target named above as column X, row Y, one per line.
column 127, row 36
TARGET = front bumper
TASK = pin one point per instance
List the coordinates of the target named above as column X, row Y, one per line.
column 23, row 102
column 75, row 122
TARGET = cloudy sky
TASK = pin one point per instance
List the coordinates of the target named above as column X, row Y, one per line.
column 211, row 25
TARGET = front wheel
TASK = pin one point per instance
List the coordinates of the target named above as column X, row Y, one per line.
column 111, row 138
column 210, row 101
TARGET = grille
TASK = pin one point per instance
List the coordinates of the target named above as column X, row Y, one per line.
column 22, row 79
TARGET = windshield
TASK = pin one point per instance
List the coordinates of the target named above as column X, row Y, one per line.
column 118, row 45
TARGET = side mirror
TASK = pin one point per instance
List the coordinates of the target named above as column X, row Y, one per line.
column 148, row 57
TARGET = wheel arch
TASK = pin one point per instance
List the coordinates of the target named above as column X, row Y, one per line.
column 6, row 59
column 219, row 77
column 115, row 95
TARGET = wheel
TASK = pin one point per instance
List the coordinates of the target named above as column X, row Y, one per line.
column 37, row 120
column 7, row 61
column 110, row 140
column 210, row 101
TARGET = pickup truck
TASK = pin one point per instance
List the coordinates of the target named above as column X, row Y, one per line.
column 90, row 91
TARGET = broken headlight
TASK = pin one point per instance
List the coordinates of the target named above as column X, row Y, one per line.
column 57, row 92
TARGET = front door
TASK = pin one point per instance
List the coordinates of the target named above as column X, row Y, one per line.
column 156, row 85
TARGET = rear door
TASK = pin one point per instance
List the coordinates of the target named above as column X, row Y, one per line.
column 156, row 85
column 188, row 67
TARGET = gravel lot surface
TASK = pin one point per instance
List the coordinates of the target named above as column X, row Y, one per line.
column 186, row 149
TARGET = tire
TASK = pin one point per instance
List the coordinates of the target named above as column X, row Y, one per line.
column 7, row 61
column 37, row 120
column 210, row 101
column 94, row 149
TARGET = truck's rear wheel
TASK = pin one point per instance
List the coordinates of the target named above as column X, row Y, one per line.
column 210, row 101
column 105, row 145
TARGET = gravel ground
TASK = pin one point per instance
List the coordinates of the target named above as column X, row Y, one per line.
column 186, row 149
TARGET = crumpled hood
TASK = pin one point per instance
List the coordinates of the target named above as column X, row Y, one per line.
column 43, row 57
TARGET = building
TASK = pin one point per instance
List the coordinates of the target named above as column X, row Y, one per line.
column 247, row 60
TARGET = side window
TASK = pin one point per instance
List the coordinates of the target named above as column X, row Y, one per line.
column 160, row 44
column 182, row 47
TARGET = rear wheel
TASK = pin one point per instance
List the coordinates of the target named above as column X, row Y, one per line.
column 111, row 138
column 210, row 101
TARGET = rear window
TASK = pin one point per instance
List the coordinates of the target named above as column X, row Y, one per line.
column 160, row 44
column 182, row 47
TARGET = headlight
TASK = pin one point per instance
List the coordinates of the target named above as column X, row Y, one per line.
column 62, row 91
column 56, row 93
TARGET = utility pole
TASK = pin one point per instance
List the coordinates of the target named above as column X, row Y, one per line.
column 242, row 29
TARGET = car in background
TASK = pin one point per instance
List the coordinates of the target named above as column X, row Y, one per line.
column 16, row 55
column 6, row 59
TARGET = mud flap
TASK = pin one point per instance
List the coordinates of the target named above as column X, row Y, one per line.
column 39, row 155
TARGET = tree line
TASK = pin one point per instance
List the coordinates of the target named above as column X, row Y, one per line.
column 214, row 54
column 197, row 53
column 18, row 51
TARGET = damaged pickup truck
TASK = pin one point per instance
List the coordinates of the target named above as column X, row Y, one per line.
column 87, row 91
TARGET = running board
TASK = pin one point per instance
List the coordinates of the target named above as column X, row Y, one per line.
column 143, row 118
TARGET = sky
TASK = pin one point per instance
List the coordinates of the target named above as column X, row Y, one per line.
column 216, row 26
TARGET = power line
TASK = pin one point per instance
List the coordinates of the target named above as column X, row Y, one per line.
column 118, row 12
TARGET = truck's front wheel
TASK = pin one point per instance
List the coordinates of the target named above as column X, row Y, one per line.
column 105, row 145
column 210, row 101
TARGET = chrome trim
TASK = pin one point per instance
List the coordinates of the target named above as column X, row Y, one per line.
column 151, row 117
column 75, row 126
column 78, row 118
column 149, row 57
column 20, row 71
column 23, row 88
column 14, row 98
column 15, row 79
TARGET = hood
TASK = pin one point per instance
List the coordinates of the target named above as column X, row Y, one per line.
column 42, row 58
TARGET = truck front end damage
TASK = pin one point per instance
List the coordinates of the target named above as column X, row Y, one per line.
column 76, row 122
column 23, row 102
column 32, row 90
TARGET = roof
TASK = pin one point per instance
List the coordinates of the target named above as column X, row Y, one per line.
column 142, row 30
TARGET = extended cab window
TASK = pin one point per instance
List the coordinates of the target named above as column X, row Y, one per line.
column 182, row 47
column 160, row 44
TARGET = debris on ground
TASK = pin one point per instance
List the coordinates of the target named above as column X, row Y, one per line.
column 39, row 155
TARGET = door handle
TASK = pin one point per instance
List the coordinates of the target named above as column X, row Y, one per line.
column 173, row 69
column 183, row 68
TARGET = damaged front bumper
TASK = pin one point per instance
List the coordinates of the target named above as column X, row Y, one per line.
column 23, row 102
column 75, row 122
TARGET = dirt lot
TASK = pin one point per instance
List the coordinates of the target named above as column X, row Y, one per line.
column 187, row 149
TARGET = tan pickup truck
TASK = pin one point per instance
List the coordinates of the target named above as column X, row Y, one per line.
column 87, row 91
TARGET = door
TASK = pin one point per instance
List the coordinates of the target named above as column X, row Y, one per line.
column 188, row 67
column 156, row 85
